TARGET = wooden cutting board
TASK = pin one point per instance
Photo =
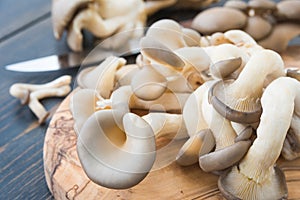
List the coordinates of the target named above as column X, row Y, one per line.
column 67, row 180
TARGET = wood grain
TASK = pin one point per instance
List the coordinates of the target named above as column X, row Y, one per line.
column 67, row 180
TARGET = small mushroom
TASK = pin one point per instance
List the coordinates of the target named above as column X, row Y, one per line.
column 289, row 9
column 281, row 35
column 245, row 134
column 191, row 37
column 224, row 68
column 219, row 19
column 148, row 84
column 167, row 32
column 115, row 156
column 256, row 176
column 31, row 94
column 199, row 144
column 258, row 27
column 159, row 53
column 102, row 77
column 239, row 100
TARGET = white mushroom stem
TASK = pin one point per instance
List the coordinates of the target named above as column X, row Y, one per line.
column 193, row 114
column 37, row 108
column 164, row 124
column 259, row 162
column 221, row 127
column 248, row 87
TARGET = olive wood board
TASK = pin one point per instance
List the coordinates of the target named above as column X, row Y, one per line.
column 67, row 180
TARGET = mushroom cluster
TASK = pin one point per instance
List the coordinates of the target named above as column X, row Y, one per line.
column 221, row 98
column 271, row 24
column 103, row 18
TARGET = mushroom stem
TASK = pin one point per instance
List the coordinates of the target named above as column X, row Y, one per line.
column 264, row 152
column 166, row 123
column 220, row 126
column 249, row 85
column 37, row 108
column 256, row 173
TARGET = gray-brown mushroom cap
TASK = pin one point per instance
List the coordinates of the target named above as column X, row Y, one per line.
column 217, row 91
column 276, row 189
column 225, row 157
column 224, row 68
column 158, row 52
column 293, row 73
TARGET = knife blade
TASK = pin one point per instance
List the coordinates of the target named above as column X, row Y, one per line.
column 72, row 59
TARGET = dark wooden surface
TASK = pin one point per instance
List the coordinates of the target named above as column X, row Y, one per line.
column 25, row 33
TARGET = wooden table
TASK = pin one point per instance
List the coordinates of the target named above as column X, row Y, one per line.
column 25, row 33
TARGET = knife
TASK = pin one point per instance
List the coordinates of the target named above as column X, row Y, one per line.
column 72, row 59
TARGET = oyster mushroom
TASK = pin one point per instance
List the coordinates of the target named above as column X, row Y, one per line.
column 62, row 13
column 239, row 100
column 236, row 4
column 115, row 156
column 281, row 35
column 101, row 78
column 199, row 144
column 150, row 80
column 219, row 19
column 256, row 176
column 167, row 32
column 289, row 10
column 258, row 27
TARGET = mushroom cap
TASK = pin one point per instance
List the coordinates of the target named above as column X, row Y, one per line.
column 258, row 27
column 114, row 158
column 148, row 84
column 219, row 19
column 280, row 36
column 168, row 32
column 216, row 93
column 293, row 73
column 191, row 37
column 194, row 57
column 159, row 53
column 289, row 9
column 82, row 106
column 237, row 4
column 235, row 185
column 225, row 157
column 262, row 4
column 102, row 77
column 245, row 134
column 197, row 145
column 224, row 68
